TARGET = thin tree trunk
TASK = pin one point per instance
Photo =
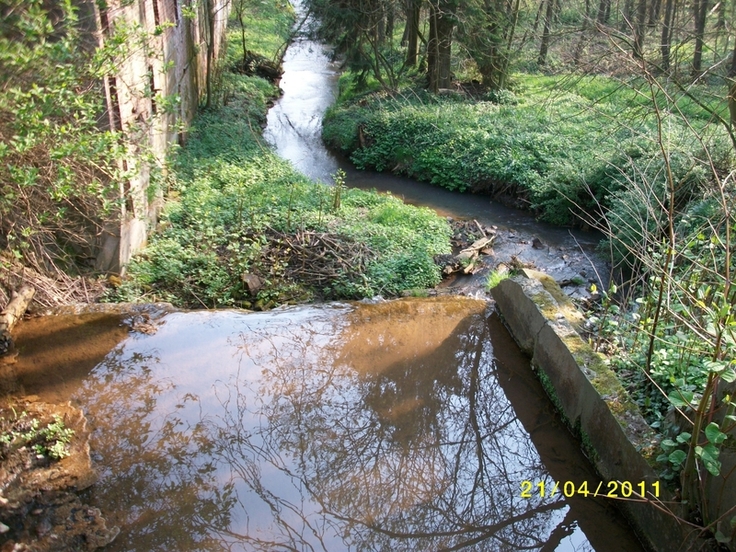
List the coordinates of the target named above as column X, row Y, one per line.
column 544, row 47
column 581, row 42
column 413, row 13
column 439, row 45
column 732, row 89
column 626, row 22
column 640, row 28
column 721, row 23
column 604, row 12
column 666, row 40
column 654, row 9
column 701, row 11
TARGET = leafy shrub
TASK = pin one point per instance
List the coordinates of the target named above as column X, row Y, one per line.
column 56, row 165
column 562, row 155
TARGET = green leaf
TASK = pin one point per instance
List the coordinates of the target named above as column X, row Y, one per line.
column 677, row 457
column 709, row 455
column 720, row 537
column 681, row 399
column 729, row 375
column 715, row 366
column 684, row 437
column 714, row 433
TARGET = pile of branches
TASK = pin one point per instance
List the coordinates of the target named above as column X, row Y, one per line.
column 317, row 259
column 62, row 289
column 470, row 240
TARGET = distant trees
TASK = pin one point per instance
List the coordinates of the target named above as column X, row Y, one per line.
column 487, row 32
column 389, row 39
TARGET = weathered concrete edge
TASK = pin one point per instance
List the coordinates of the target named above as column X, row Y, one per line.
column 591, row 399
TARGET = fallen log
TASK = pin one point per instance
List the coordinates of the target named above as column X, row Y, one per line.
column 13, row 312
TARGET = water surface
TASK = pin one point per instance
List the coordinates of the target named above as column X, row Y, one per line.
column 404, row 425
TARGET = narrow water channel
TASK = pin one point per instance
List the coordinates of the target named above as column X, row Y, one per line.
column 294, row 129
column 402, row 425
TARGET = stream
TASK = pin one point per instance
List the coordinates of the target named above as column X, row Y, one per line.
column 407, row 425
column 294, row 129
column 394, row 425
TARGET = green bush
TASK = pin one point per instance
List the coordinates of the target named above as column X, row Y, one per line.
column 57, row 167
column 562, row 155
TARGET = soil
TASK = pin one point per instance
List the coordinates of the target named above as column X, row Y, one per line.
column 40, row 509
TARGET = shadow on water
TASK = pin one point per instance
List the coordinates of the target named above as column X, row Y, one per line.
column 338, row 427
column 57, row 352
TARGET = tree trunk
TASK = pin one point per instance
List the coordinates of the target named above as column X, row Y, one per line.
column 544, row 47
column 439, row 45
column 654, row 8
column 604, row 12
column 209, row 12
column 640, row 28
column 701, row 11
column 627, row 20
column 413, row 13
column 721, row 23
column 666, row 41
column 732, row 89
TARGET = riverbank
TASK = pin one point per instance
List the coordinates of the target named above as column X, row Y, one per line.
column 654, row 176
column 550, row 147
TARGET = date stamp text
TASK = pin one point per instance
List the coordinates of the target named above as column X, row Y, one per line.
column 612, row 489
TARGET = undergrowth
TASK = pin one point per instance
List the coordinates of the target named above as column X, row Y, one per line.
column 50, row 440
column 234, row 205
column 558, row 154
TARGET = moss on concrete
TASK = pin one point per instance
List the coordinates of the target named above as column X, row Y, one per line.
column 556, row 306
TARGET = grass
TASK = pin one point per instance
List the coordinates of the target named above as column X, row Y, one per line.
column 630, row 94
column 548, row 147
column 233, row 203
column 267, row 29
column 496, row 277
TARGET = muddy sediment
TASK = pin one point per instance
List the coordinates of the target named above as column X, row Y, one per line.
column 40, row 508
column 40, row 504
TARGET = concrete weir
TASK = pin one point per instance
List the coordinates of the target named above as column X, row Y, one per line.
column 616, row 438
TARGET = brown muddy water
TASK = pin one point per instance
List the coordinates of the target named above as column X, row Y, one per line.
column 402, row 425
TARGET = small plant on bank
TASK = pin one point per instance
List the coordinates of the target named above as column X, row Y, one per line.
column 496, row 277
column 51, row 441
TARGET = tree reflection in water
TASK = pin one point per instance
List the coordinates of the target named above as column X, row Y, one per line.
column 365, row 427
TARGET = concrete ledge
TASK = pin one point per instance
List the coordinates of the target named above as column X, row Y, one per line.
column 590, row 398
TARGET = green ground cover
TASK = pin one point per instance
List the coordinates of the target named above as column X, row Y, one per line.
column 555, row 146
column 236, row 211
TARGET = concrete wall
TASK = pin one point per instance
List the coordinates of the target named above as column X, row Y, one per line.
column 159, row 51
column 591, row 399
